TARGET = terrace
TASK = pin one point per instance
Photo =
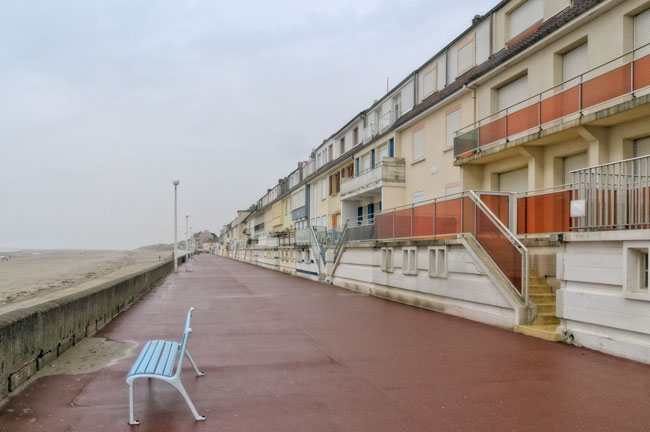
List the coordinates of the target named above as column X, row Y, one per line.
column 623, row 79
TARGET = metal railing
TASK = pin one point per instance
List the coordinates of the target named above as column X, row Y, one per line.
column 485, row 215
column 613, row 196
column 617, row 78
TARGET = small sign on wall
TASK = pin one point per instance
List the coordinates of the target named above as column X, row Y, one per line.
column 434, row 169
column 578, row 208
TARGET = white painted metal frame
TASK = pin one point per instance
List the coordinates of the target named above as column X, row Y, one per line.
column 174, row 380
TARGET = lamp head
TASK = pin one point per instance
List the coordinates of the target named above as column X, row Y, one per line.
column 175, row 182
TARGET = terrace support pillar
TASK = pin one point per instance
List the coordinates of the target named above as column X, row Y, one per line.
column 597, row 137
column 535, row 156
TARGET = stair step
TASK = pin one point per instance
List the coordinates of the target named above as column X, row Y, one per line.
column 535, row 288
column 546, row 307
column 547, row 319
column 546, row 332
column 542, row 297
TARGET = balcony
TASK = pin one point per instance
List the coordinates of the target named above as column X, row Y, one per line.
column 609, row 84
column 385, row 121
column 389, row 172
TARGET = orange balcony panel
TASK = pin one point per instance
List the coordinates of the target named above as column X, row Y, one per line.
column 402, row 225
column 423, row 220
column 492, row 131
column 524, row 119
column 499, row 205
column 642, row 72
column 448, row 217
column 560, row 105
column 607, row 86
column 544, row 213
column 384, row 226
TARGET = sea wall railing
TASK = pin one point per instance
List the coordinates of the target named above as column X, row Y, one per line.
column 620, row 77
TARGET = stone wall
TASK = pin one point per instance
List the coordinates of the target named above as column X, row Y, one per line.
column 32, row 337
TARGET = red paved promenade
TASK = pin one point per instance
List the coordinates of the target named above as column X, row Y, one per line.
column 285, row 354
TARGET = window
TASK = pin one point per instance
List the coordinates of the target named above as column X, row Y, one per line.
column 355, row 136
column 383, row 152
column 438, row 261
column 418, row 144
column 524, row 17
column 335, row 183
column 323, row 188
column 418, row 196
column 318, row 160
column 642, row 33
column 378, row 118
column 514, row 181
column 387, row 259
column 574, row 63
column 512, row 93
column 397, row 106
column 330, row 153
column 429, row 81
column 452, row 125
column 571, row 163
column 365, row 162
column 314, row 194
column 635, row 269
column 465, row 56
column 410, row 261
column 342, row 146
column 642, row 147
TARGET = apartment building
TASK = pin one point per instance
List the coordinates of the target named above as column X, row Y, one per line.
column 505, row 180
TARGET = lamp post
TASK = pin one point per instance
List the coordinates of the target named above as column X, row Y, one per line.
column 175, row 182
column 187, row 234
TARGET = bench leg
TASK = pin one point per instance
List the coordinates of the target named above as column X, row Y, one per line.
column 196, row 369
column 132, row 421
column 181, row 390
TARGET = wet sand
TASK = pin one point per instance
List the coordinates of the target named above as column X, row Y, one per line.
column 33, row 276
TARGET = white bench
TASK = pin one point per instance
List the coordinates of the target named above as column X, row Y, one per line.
column 157, row 360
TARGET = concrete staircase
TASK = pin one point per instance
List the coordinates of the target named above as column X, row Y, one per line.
column 546, row 323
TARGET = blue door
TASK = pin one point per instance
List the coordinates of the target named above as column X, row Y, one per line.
column 371, row 213
column 391, row 148
column 359, row 215
column 372, row 158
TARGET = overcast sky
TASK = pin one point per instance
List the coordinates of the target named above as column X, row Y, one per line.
column 103, row 103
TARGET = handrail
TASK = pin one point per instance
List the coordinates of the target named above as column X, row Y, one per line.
column 538, row 95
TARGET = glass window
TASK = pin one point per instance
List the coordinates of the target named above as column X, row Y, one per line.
column 418, row 144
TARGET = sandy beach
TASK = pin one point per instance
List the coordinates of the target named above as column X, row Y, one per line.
column 32, row 276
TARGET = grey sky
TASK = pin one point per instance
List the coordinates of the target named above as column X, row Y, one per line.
column 104, row 102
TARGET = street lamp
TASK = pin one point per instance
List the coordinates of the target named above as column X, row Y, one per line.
column 175, row 182
column 187, row 234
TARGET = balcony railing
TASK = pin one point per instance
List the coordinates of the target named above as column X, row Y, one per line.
column 389, row 170
column 624, row 76
column 485, row 215
column 387, row 119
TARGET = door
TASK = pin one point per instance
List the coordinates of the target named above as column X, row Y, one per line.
column 371, row 213
column 359, row 215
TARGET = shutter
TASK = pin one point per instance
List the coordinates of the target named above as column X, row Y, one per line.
column 482, row 41
column 418, row 197
column 575, row 62
column 465, row 57
column 429, row 82
column 357, row 161
column 514, row 181
column 642, row 147
column 524, row 17
column 642, row 33
column 391, row 150
column 510, row 94
column 418, row 144
column 451, row 64
column 442, row 72
column 372, row 158
column 571, row 163
column 453, row 124
column 383, row 153
column 450, row 190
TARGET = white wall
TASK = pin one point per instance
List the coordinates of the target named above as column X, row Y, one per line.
column 592, row 304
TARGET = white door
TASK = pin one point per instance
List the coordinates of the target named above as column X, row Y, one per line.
column 575, row 162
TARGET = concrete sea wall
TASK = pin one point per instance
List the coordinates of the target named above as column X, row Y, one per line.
column 32, row 337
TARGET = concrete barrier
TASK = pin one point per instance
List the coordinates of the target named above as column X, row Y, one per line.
column 32, row 337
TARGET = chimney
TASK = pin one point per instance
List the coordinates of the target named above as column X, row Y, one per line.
column 476, row 19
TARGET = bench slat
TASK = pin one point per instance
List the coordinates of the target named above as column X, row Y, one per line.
column 168, row 351
column 155, row 357
column 139, row 360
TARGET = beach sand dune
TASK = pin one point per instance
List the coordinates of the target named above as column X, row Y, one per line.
column 32, row 276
